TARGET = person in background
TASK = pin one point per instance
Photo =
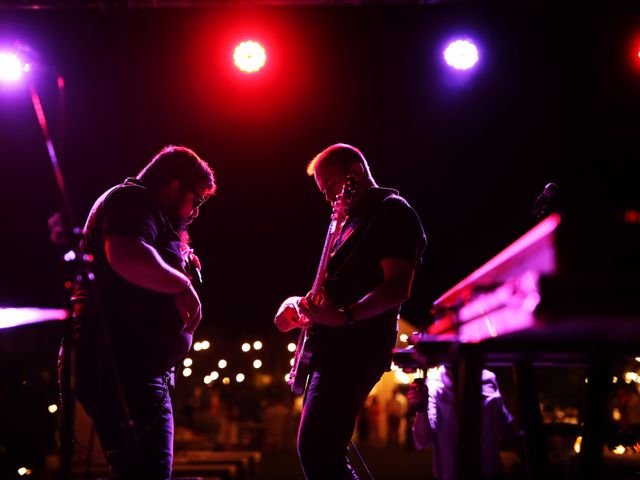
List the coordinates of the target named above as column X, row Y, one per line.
column 436, row 423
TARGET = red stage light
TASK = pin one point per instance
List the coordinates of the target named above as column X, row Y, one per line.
column 634, row 52
column 250, row 56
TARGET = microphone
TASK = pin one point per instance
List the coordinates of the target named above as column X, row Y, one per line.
column 541, row 203
column 192, row 269
column 198, row 274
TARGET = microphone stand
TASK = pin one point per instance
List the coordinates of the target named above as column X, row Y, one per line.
column 69, row 235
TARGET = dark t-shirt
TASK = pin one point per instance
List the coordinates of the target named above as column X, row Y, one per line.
column 143, row 326
column 381, row 225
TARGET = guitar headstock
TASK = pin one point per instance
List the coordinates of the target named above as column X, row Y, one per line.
column 343, row 200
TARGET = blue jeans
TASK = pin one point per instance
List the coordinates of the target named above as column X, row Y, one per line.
column 137, row 444
column 332, row 403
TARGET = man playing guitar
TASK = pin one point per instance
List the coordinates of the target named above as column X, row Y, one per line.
column 351, row 313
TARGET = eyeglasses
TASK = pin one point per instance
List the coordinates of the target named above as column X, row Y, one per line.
column 198, row 200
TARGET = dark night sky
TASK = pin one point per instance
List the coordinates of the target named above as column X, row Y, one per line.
column 554, row 99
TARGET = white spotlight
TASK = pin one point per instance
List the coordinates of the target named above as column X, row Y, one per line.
column 461, row 54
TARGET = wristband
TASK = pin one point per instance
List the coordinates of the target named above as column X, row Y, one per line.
column 349, row 315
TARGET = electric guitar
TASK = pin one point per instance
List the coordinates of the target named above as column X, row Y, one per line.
column 299, row 374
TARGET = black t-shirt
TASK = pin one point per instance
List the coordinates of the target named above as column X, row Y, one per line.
column 143, row 326
column 381, row 225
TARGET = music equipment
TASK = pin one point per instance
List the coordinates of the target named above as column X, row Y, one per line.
column 563, row 294
column 561, row 279
column 299, row 374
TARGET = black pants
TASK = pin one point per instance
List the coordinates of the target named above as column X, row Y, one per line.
column 332, row 403
column 137, row 444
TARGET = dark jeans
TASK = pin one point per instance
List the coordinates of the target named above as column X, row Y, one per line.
column 143, row 447
column 331, row 405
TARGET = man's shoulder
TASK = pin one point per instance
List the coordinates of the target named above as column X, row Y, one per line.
column 396, row 206
column 395, row 200
column 129, row 197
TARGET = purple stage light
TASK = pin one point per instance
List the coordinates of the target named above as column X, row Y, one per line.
column 11, row 67
column 461, row 54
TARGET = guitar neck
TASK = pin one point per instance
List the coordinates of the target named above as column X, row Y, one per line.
column 339, row 216
column 321, row 273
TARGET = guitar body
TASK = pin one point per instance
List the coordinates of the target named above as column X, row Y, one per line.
column 299, row 375
column 301, row 369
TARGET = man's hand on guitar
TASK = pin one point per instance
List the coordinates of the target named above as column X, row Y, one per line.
column 325, row 312
column 190, row 309
column 288, row 316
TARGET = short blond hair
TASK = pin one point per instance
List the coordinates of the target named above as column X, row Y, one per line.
column 339, row 155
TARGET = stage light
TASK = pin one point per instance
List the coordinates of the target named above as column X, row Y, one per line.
column 246, row 347
column 226, row 380
column 461, row 54
column 53, row 408
column 207, row 379
column 250, row 56
column 222, row 363
column 214, row 375
column 187, row 362
column 257, row 363
column 240, row 377
column 187, row 372
column 205, row 344
column 291, row 347
column 257, row 345
column 11, row 67
column 633, row 52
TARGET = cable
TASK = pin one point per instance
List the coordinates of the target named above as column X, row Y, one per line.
column 353, row 447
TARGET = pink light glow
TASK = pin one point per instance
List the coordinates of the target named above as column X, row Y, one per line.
column 13, row 317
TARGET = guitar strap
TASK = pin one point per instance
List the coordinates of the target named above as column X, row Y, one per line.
column 350, row 239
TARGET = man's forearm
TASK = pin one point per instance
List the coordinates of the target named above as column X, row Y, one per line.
column 422, row 432
column 140, row 264
column 379, row 300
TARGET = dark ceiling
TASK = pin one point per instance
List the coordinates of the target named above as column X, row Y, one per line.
column 145, row 4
